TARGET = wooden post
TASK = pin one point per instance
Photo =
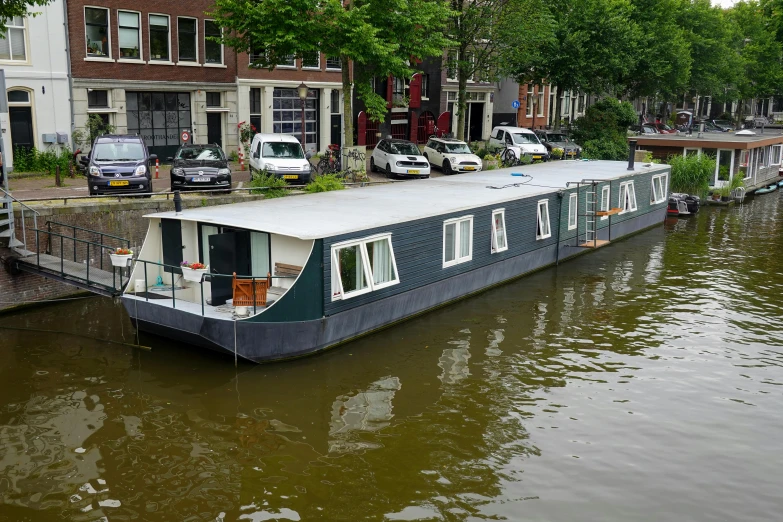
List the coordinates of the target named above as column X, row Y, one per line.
column 57, row 181
column 157, row 168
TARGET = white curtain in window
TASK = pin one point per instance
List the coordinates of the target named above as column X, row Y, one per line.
column 464, row 238
column 129, row 30
column 500, row 231
column 449, row 248
column 380, row 258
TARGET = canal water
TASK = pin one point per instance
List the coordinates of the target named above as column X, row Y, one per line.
column 640, row 382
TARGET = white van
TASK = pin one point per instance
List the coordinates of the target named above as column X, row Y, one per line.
column 281, row 155
column 520, row 140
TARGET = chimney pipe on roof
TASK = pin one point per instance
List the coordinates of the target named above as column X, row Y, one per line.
column 631, row 153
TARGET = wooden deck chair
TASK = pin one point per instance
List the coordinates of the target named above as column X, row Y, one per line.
column 243, row 291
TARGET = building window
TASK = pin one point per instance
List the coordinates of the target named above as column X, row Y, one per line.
column 605, row 190
column 627, row 197
column 255, row 108
column 19, row 97
column 97, row 99
column 398, row 90
column 658, row 188
column 213, row 99
column 287, row 115
column 499, row 243
column 776, row 154
column 336, row 105
column 96, row 23
column 213, row 51
column 457, row 241
column 160, row 43
column 451, row 65
column 363, row 266
column 287, row 61
column 543, row 230
column 540, row 95
column 186, row 39
column 425, row 86
column 13, row 46
column 573, row 206
column 333, row 62
column 311, row 60
column 129, row 27
column 529, row 101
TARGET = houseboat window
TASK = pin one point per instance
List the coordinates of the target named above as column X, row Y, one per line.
column 457, row 241
column 723, row 166
column 627, row 197
column 259, row 253
column 573, row 202
column 658, row 188
column 776, row 150
column 745, row 164
column 206, row 231
column 689, row 152
column 605, row 191
column 363, row 266
column 543, row 230
column 499, row 243
column 764, row 159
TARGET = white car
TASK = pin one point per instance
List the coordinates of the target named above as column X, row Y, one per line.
column 281, row 155
column 520, row 141
column 451, row 155
column 399, row 158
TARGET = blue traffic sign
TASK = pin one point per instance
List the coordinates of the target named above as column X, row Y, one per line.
column 515, row 104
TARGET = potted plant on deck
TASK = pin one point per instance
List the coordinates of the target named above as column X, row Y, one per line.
column 193, row 271
column 121, row 257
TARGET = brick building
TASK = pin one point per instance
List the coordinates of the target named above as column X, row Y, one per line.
column 146, row 67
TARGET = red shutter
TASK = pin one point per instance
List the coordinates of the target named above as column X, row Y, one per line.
column 361, row 129
column 443, row 123
column 414, row 126
column 389, row 91
column 415, row 91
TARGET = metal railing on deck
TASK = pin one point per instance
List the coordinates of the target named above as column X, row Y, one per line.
column 207, row 277
column 122, row 242
column 23, row 206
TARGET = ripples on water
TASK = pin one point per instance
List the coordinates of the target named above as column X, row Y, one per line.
column 640, row 382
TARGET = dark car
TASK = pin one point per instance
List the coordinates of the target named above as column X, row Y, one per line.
column 725, row 125
column 559, row 140
column 709, row 126
column 200, row 166
column 118, row 164
column 643, row 129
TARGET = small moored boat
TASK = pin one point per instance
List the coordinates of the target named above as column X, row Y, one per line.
column 768, row 189
column 682, row 204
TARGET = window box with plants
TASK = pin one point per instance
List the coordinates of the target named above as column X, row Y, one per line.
column 121, row 257
column 193, row 272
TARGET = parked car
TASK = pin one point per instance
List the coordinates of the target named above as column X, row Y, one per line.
column 281, row 155
column 118, row 164
column 559, row 140
column 725, row 125
column 399, row 158
column 521, row 141
column 709, row 126
column 643, row 129
column 662, row 127
column 451, row 155
column 200, row 166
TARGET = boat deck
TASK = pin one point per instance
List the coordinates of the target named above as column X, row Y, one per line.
column 226, row 311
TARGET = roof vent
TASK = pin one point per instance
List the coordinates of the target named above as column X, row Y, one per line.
column 745, row 133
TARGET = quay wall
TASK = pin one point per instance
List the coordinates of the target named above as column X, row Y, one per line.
column 124, row 219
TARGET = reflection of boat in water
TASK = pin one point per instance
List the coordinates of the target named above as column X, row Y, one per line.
column 682, row 205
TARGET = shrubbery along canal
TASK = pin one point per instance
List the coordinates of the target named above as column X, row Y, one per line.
column 639, row 382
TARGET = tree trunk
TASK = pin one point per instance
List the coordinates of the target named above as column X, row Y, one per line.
column 558, row 107
column 347, row 101
column 462, row 104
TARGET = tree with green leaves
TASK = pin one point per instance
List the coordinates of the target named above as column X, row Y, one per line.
column 602, row 130
column 371, row 37
column 12, row 8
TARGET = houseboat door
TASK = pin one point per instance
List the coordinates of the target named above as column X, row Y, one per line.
column 229, row 252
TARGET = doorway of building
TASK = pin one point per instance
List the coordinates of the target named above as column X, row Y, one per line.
column 21, row 122
column 215, row 128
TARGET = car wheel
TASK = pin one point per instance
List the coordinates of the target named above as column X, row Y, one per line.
column 446, row 168
column 373, row 168
column 389, row 171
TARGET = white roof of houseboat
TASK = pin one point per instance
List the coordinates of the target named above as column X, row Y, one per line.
column 329, row 214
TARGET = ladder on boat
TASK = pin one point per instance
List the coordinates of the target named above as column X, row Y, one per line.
column 595, row 209
column 66, row 253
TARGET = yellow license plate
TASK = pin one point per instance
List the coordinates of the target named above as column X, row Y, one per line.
column 291, row 176
column 118, row 183
column 536, row 157
column 470, row 168
column 413, row 172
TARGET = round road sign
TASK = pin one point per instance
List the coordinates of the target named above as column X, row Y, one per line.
column 185, row 136
column 515, row 104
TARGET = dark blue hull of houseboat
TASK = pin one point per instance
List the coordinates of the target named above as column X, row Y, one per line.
column 259, row 341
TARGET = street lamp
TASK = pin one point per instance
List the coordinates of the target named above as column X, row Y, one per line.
column 302, row 90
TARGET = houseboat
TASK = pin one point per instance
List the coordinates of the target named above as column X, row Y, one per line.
column 293, row 276
column 756, row 157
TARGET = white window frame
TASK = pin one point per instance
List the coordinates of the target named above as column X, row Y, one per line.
column 606, row 194
column 494, row 247
column 170, row 59
column 312, row 67
column 631, row 199
column 289, row 64
column 686, row 149
column 662, row 180
column 222, row 47
column 337, row 291
column 193, row 63
column 543, row 204
column 25, row 34
column 329, row 68
column 141, row 38
column 529, row 101
column 748, row 164
column 773, row 159
column 573, row 210
column 108, row 35
column 540, row 97
column 457, row 241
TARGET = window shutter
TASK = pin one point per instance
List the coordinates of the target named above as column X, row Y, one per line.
column 415, row 91
column 389, row 91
